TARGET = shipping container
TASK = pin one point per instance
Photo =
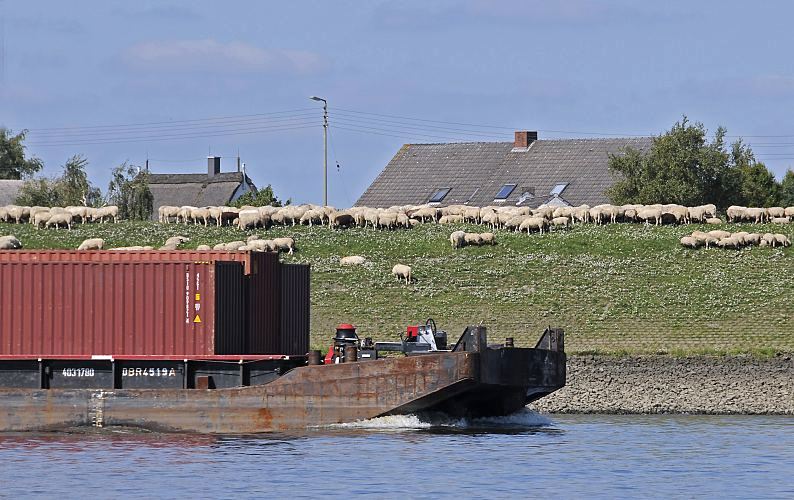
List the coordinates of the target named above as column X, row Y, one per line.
column 295, row 308
column 124, row 308
column 251, row 260
column 263, row 312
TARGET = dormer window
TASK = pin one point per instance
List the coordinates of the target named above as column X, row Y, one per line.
column 558, row 189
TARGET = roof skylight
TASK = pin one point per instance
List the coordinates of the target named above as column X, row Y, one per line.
column 558, row 189
column 439, row 195
column 505, row 191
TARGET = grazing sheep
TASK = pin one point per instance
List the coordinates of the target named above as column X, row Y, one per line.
column 487, row 238
column 252, row 238
column 203, row 248
column 200, row 214
column 782, row 239
column 776, row 212
column 40, row 218
column 730, row 242
column 719, row 234
column 450, row 219
column 248, row 219
column 768, row 239
column 352, row 260
column 165, row 213
column 457, row 239
column 789, row 212
column 344, row 219
column 562, row 221
column 779, row 220
column 581, row 214
column 81, row 212
column 713, row 220
column 473, row 239
column 647, row 214
column 177, row 240
column 58, row 219
column 234, row 245
column 92, row 244
column 758, row 215
column 110, row 212
column 10, row 242
column 533, row 223
column 696, row 214
column 287, row 244
column 753, row 239
column 690, row 242
column 735, row 213
column 401, row 271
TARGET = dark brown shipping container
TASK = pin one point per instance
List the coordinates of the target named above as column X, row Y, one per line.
column 250, row 260
column 295, row 308
column 133, row 308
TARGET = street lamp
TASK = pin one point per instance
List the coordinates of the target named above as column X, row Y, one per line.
column 325, row 147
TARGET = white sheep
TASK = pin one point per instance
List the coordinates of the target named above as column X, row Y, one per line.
column 10, row 242
column 650, row 213
column 690, row 242
column 92, row 244
column 713, row 220
column 287, row 244
column 473, row 239
column 247, row 219
column 58, row 219
column 779, row 220
column 457, row 239
column 782, row 239
column 110, row 212
column 352, row 260
column 562, row 221
column 401, row 271
column 165, row 213
column 487, row 238
column 735, row 213
column 533, row 223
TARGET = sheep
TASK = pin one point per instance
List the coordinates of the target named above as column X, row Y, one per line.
column 581, row 214
column 18, row 213
column 40, row 218
column 719, row 234
column 450, row 219
column 234, row 245
column 457, row 239
column 10, row 242
column 165, row 213
column 678, row 213
column 710, row 210
column 782, row 239
column 776, row 212
column 690, row 242
column 343, row 219
column 560, row 221
column 285, row 244
column 730, row 242
column 3, row 214
column 203, row 248
column 779, row 220
column 487, row 239
column 252, row 238
column 58, row 219
column 81, row 212
column 768, row 239
column 753, row 239
column 92, row 244
column 472, row 239
column 758, row 215
column 648, row 213
column 533, row 223
column 352, row 260
column 111, row 212
column 248, row 219
column 178, row 240
column 713, row 220
column 735, row 213
column 471, row 214
column 202, row 214
column 789, row 212
column 696, row 214
column 401, row 271
column 387, row 220
column 704, row 238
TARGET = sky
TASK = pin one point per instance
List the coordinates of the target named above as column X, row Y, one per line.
column 176, row 81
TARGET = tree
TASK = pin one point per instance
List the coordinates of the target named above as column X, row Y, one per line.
column 13, row 164
column 787, row 189
column 758, row 186
column 260, row 198
column 72, row 188
column 683, row 167
column 129, row 190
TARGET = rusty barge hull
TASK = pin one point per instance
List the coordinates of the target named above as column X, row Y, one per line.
column 482, row 383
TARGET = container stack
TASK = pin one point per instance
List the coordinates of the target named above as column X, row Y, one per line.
column 152, row 303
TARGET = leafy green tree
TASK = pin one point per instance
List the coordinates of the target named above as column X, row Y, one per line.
column 73, row 186
column 129, row 190
column 682, row 166
column 41, row 192
column 758, row 186
column 260, row 198
column 13, row 163
column 787, row 189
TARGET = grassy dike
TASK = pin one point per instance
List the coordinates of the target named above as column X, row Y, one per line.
column 618, row 289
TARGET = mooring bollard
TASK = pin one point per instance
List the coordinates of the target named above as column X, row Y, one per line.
column 351, row 354
column 314, row 357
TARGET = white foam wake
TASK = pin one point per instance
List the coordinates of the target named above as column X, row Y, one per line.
column 524, row 418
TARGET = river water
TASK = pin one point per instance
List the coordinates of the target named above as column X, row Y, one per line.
column 525, row 455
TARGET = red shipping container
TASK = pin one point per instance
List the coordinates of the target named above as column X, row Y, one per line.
column 132, row 308
column 250, row 260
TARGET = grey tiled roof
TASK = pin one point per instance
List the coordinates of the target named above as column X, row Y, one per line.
column 9, row 190
column 196, row 190
column 477, row 171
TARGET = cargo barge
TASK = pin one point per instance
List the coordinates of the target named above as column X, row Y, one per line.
column 130, row 353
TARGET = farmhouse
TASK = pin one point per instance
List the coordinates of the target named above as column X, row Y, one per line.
column 526, row 172
column 214, row 188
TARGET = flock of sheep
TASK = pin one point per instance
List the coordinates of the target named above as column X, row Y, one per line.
column 58, row 216
column 725, row 239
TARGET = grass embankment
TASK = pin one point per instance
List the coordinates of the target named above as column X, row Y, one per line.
column 615, row 289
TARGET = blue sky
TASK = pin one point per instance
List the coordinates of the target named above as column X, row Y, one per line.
column 173, row 81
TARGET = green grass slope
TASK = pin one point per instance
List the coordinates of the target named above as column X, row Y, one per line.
column 617, row 288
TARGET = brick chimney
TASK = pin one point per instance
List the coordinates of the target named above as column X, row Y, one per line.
column 213, row 165
column 524, row 138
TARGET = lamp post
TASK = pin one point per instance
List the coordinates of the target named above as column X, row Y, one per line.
column 325, row 147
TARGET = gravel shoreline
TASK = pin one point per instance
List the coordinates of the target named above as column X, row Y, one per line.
column 663, row 384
